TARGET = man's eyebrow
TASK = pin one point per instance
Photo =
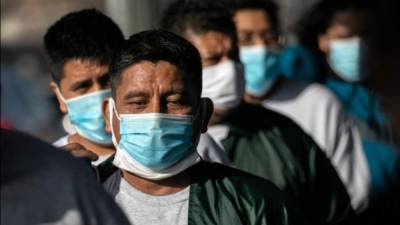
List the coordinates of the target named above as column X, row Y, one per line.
column 106, row 74
column 78, row 83
column 245, row 30
column 175, row 92
column 212, row 56
column 104, row 77
column 135, row 93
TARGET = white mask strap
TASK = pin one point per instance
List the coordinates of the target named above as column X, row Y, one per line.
column 111, row 110
column 58, row 92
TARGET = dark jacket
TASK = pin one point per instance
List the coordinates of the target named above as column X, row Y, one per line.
column 271, row 146
column 222, row 195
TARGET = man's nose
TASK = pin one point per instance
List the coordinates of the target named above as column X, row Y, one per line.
column 258, row 40
column 157, row 106
column 96, row 87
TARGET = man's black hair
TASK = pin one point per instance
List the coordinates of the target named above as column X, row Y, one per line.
column 86, row 34
column 155, row 46
column 199, row 17
column 268, row 6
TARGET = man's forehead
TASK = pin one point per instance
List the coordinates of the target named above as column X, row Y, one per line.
column 248, row 18
column 76, row 70
column 208, row 43
column 150, row 71
column 78, row 67
column 146, row 75
column 356, row 20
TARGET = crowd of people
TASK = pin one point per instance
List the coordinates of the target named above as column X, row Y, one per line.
column 212, row 119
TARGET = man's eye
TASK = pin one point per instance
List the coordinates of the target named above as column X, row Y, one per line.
column 269, row 36
column 105, row 81
column 175, row 103
column 212, row 60
column 139, row 102
column 245, row 37
column 81, row 86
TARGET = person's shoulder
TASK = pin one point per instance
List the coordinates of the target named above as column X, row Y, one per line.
column 235, row 196
column 261, row 119
column 321, row 94
column 255, row 117
column 235, row 181
column 37, row 170
column 28, row 154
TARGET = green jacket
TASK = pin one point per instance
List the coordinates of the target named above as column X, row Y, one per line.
column 271, row 146
column 222, row 195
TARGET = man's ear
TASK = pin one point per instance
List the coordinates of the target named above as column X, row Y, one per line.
column 227, row 44
column 61, row 104
column 206, row 111
column 106, row 115
column 323, row 43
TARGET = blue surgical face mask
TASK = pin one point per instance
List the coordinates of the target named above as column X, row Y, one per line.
column 85, row 114
column 345, row 58
column 261, row 69
column 155, row 140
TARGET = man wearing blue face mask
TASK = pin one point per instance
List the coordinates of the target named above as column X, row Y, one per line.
column 257, row 140
column 79, row 46
column 156, row 115
column 312, row 106
column 336, row 32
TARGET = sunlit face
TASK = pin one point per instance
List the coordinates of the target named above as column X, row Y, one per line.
column 149, row 87
column 214, row 47
column 346, row 24
column 254, row 28
column 81, row 77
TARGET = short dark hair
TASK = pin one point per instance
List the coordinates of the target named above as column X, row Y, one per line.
column 85, row 34
column 268, row 6
column 154, row 46
column 200, row 17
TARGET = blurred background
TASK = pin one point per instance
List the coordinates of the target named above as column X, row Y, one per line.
column 26, row 101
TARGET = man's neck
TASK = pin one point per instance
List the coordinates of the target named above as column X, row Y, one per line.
column 158, row 187
column 100, row 150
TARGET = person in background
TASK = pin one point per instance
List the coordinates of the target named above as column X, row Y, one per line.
column 314, row 107
column 257, row 140
column 156, row 115
column 79, row 47
column 338, row 33
column 40, row 185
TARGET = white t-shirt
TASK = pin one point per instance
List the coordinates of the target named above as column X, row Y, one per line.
column 319, row 113
column 142, row 208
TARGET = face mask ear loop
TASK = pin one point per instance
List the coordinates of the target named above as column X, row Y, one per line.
column 111, row 109
column 59, row 94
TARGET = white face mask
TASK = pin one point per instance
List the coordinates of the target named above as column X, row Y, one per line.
column 224, row 84
column 125, row 161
